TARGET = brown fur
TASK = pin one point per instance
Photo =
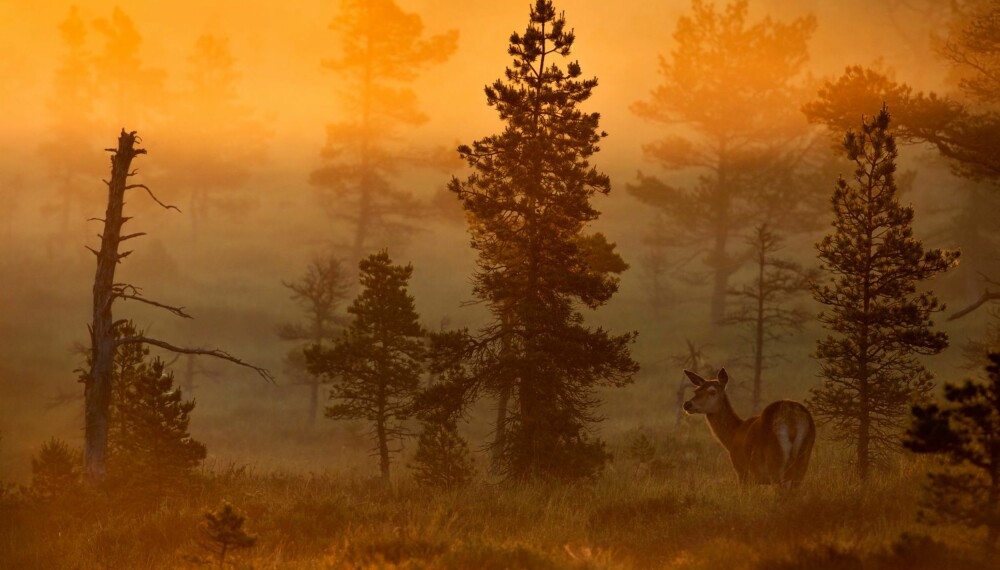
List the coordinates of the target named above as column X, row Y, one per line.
column 772, row 448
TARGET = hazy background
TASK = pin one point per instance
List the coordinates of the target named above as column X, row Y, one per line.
column 227, row 269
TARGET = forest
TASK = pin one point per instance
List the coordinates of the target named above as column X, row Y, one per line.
column 545, row 284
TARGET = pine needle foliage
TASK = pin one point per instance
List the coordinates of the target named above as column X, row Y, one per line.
column 382, row 50
column 56, row 472
column 528, row 202
column 375, row 365
column 442, row 459
column 149, row 442
column 964, row 435
column 878, row 322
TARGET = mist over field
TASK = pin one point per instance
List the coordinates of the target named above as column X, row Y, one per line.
column 257, row 144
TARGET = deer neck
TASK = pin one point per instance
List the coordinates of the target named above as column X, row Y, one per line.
column 724, row 423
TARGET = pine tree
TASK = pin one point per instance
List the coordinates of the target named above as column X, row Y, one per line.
column 965, row 436
column 729, row 95
column 55, row 472
column 878, row 322
column 382, row 51
column 376, row 363
column 319, row 293
column 72, row 155
column 763, row 301
column 214, row 151
column 131, row 90
column 224, row 530
column 149, row 443
column 528, row 205
column 442, row 459
column 105, row 338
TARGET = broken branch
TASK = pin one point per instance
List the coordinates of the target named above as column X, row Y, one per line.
column 216, row 353
column 153, row 196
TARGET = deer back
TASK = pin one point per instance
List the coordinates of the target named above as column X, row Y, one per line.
column 776, row 446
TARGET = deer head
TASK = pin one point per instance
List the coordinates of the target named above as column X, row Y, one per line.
column 709, row 395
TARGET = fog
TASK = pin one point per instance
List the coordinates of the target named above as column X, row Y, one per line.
column 225, row 262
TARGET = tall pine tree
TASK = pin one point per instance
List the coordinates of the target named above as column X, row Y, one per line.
column 878, row 322
column 382, row 51
column 376, row 363
column 213, row 153
column 71, row 154
column 528, row 203
column 729, row 99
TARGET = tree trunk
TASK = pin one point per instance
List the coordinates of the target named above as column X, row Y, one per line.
column 97, row 388
column 383, row 450
column 500, row 440
column 313, row 401
column 864, row 434
column 758, row 356
column 720, row 282
column 503, row 401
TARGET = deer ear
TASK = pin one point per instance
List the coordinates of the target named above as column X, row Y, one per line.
column 694, row 378
column 723, row 377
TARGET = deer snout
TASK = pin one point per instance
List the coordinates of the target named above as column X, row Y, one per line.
column 688, row 406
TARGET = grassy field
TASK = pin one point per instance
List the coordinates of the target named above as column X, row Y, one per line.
column 688, row 515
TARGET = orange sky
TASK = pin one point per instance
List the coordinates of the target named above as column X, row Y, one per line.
column 279, row 46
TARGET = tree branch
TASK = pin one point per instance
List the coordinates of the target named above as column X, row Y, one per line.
column 179, row 311
column 216, row 353
column 986, row 297
column 153, row 196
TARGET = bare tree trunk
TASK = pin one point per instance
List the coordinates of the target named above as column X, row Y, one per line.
column 720, row 288
column 864, row 434
column 383, row 449
column 500, row 440
column 97, row 389
column 104, row 342
column 503, row 401
column 758, row 356
column 313, row 401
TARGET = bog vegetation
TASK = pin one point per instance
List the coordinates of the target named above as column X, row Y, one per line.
column 531, row 424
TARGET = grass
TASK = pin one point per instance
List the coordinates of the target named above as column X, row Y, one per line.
column 693, row 517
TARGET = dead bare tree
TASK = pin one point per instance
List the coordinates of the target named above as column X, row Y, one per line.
column 763, row 309
column 104, row 343
column 319, row 293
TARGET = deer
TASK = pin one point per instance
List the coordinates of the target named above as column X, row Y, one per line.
column 770, row 449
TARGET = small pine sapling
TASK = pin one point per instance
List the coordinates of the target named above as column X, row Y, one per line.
column 643, row 453
column 442, row 460
column 964, row 434
column 641, row 449
column 224, row 531
column 55, row 471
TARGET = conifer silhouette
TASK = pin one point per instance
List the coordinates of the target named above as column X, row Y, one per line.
column 878, row 322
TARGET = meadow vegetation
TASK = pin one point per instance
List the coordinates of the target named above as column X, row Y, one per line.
column 688, row 515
